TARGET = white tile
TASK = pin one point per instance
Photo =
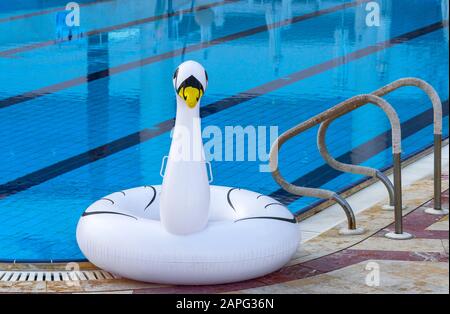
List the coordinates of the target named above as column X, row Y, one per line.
column 308, row 235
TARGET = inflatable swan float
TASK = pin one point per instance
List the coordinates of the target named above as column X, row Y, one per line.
column 186, row 231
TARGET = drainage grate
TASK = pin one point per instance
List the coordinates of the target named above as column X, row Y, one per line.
column 16, row 276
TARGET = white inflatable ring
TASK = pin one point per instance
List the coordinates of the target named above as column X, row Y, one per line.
column 248, row 235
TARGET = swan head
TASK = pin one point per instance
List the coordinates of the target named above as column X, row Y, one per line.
column 190, row 81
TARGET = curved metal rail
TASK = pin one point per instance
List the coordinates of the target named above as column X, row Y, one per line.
column 333, row 113
column 437, row 126
column 367, row 171
column 437, row 112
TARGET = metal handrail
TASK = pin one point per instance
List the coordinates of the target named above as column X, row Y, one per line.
column 437, row 126
column 367, row 171
column 334, row 112
column 437, row 110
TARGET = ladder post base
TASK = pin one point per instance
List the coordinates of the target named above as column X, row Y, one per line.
column 433, row 211
column 398, row 236
column 391, row 207
column 348, row 232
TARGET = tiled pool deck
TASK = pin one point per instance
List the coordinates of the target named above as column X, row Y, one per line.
column 328, row 263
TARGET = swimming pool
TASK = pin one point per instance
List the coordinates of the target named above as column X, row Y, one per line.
column 90, row 116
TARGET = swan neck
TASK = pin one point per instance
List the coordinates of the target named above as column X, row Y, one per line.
column 187, row 134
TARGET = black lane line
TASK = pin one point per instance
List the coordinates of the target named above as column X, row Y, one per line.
column 42, row 175
column 17, row 99
column 359, row 154
column 47, row 11
column 46, row 43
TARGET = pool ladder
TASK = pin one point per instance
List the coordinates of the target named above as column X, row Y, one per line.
column 394, row 189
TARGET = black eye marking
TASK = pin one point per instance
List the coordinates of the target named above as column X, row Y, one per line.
column 191, row 81
column 175, row 75
column 206, row 76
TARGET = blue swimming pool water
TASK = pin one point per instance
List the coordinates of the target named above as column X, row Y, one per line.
column 84, row 118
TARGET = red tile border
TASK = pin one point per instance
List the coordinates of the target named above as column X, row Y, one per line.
column 298, row 271
column 202, row 289
column 415, row 222
column 350, row 257
column 312, row 268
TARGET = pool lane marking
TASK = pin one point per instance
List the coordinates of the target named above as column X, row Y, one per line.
column 59, row 168
column 14, row 100
column 12, row 51
column 323, row 174
column 48, row 11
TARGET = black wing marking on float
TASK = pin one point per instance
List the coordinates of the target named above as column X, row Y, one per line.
column 291, row 220
column 229, row 197
column 106, row 212
column 273, row 204
column 107, row 199
column 153, row 198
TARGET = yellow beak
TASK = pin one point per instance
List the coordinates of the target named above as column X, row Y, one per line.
column 191, row 95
